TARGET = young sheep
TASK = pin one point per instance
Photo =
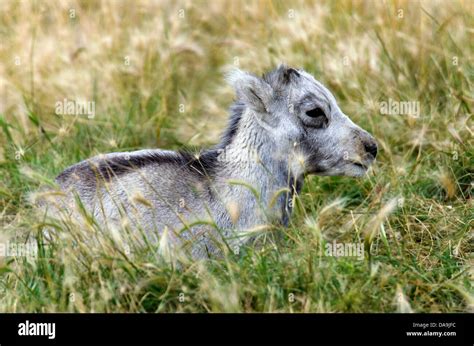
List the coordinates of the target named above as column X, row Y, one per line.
column 282, row 127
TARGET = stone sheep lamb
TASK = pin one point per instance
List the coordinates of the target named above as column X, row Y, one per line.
column 283, row 126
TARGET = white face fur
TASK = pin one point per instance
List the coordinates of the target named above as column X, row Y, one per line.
column 301, row 111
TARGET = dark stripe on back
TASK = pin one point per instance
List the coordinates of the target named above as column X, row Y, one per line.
column 236, row 111
column 110, row 167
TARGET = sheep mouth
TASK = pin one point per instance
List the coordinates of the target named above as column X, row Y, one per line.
column 359, row 164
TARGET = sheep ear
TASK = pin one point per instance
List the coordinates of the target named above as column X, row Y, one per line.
column 286, row 74
column 252, row 90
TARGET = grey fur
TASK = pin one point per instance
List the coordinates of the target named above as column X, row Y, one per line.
column 270, row 145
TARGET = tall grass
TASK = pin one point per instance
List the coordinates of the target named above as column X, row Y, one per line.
column 154, row 70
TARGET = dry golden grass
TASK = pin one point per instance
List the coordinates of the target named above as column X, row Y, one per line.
column 141, row 62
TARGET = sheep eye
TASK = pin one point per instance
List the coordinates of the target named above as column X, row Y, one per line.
column 316, row 113
column 318, row 118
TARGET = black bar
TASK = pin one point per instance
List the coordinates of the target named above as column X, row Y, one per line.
column 291, row 329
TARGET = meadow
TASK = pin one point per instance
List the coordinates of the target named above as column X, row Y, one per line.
column 153, row 71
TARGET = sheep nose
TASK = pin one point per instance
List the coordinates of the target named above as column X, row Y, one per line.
column 371, row 148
